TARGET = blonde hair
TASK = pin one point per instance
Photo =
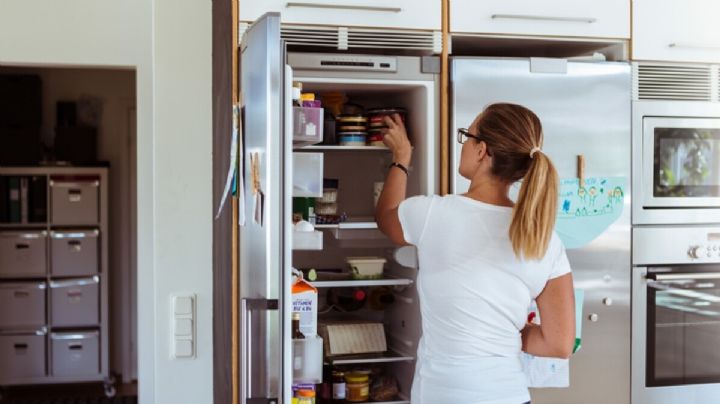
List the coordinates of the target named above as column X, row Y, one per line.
column 514, row 136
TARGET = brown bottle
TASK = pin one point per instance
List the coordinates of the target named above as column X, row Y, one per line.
column 296, row 333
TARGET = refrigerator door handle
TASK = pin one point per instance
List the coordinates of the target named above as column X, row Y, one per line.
column 247, row 370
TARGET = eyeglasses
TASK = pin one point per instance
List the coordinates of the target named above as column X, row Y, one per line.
column 463, row 135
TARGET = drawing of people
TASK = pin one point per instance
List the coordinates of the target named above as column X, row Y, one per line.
column 582, row 194
column 618, row 195
column 593, row 192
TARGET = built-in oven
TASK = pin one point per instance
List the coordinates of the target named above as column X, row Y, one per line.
column 676, row 162
column 676, row 315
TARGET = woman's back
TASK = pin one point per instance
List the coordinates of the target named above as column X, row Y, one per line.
column 474, row 297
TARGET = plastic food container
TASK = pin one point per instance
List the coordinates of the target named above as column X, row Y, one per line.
column 351, row 140
column 366, row 267
column 322, row 208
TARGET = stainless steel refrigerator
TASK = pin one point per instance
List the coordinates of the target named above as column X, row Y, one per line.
column 585, row 110
column 267, row 253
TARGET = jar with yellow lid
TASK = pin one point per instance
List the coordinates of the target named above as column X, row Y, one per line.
column 357, row 387
column 306, row 397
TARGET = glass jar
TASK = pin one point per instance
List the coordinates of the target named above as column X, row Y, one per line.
column 306, row 397
column 357, row 387
column 338, row 385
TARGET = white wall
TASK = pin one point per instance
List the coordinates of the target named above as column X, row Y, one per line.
column 168, row 43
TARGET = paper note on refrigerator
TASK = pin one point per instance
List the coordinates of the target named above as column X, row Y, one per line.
column 584, row 213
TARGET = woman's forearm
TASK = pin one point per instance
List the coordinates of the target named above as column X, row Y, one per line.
column 393, row 193
column 535, row 343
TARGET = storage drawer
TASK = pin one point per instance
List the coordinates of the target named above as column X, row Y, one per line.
column 23, row 356
column 673, row 30
column 75, row 302
column 75, row 353
column 413, row 14
column 574, row 18
column 22, row 304
column 74, row 201
column 23, row 254
column 74, row 253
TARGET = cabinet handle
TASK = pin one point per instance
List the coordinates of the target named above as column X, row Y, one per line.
column 75, row 245
column 19, row 294
column 74, row 195
column 22, row 246
column 345, row 7
column 20, row 346
column 588, row 20
column 75, row 347
column 677, row 45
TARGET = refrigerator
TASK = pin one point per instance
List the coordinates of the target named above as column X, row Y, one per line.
column 584, row 107
column 268, row 253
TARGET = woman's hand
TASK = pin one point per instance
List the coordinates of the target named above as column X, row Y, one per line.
column 396, row 139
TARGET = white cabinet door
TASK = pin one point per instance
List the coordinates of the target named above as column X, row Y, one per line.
column 577, row 18
column 676, row 30
column 410, row 14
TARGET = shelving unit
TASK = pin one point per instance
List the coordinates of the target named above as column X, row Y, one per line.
column 66, row 340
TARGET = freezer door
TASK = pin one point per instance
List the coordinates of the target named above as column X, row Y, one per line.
column 264, row 246
column 585, row 109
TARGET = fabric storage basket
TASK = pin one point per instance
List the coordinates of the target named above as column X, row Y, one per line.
column 74, row 200
column 22, row 304
column 23, row 356
column 23, row 254
column 75, row 302
column 75, row 353
column 74, row 253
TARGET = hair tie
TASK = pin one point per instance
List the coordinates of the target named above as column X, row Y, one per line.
column 533, row 151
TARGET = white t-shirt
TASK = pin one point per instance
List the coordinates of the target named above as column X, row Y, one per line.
column 474, row 299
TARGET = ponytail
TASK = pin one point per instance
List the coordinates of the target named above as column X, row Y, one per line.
column 534, row 213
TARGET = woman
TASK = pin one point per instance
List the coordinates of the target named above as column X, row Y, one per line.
column 483, row 260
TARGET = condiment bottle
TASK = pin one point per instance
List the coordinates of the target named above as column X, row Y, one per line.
column 357, row 387
column 338, row 385
column 296, row 333
column 306, row 397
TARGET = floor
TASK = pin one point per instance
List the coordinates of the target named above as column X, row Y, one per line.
column 68, row 394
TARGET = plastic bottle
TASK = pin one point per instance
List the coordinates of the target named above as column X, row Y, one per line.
column 381, row 298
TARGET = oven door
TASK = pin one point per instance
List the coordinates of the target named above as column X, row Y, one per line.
column 676, row 334
column 681, row 162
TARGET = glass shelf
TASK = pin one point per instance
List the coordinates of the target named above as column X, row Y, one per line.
column 362, row 283
column 387, row 357
column 344, row 148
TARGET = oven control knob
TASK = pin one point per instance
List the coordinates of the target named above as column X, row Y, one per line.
column 607, row 301
column 694, row 252
column 593, row 317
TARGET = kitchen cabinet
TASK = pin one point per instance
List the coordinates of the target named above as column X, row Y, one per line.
column 572, row 18
column 673, row 30
column 408, row 14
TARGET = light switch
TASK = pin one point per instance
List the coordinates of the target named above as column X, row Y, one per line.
column 183, row 348
column 183, row 305
column 183, row 327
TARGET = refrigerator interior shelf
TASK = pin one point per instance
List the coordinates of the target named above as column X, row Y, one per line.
column 345, row 148
column 362, row 283
column 387, row 357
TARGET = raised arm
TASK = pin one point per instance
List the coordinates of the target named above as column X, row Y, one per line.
column 394, row 190
column 555, row 336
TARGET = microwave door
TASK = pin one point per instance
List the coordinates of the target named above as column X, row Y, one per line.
column 262, row 238
column 681, row 163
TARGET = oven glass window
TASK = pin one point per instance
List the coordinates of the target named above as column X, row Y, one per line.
column 687, row 162
column 683, row 335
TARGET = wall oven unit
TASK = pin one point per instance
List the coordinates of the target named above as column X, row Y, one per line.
column 676, row 162
column 676, row 315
